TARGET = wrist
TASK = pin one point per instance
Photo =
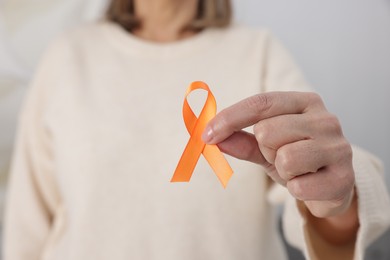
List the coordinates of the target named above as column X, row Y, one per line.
column 342, row 226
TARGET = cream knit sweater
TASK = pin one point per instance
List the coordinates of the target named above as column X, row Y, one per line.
column 101, row 133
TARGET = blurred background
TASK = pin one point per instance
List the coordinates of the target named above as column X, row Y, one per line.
column 342, row 46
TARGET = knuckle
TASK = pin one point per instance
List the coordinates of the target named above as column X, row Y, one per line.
column 340, row 153
column 260, row 103
column 348, row 152
column 343, row 183
column 296, row 189
column 284, row 159
column 325, row 123
column 314, row 98
column 262, row 132
column 332, row 123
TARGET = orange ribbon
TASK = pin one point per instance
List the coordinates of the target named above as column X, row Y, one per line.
column 195, row 146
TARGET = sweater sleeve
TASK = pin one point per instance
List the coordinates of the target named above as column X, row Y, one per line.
column 32, row 197
column 281, row 74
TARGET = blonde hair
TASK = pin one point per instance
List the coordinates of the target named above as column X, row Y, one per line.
column 211, row 13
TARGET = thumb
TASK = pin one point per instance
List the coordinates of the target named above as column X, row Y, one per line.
column 243, row 145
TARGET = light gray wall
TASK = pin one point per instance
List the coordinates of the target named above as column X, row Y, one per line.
column 343, row 47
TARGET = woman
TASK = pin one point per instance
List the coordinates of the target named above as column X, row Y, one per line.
column 101, row 133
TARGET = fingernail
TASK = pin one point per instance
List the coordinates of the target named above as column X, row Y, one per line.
column 207, row 135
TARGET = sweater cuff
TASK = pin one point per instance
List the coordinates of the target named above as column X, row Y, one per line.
column 373, row 200
column 373, row 209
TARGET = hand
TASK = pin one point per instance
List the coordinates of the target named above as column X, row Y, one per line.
column 299, row 143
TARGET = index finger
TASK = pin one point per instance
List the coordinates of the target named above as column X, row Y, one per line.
column 251, row 110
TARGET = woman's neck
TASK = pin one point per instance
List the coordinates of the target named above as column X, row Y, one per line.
column 164, row 20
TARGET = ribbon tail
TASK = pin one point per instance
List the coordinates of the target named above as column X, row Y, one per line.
column 218, row 163
column 188, row 160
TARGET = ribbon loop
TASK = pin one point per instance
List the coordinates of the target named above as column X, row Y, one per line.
column 195, row 146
